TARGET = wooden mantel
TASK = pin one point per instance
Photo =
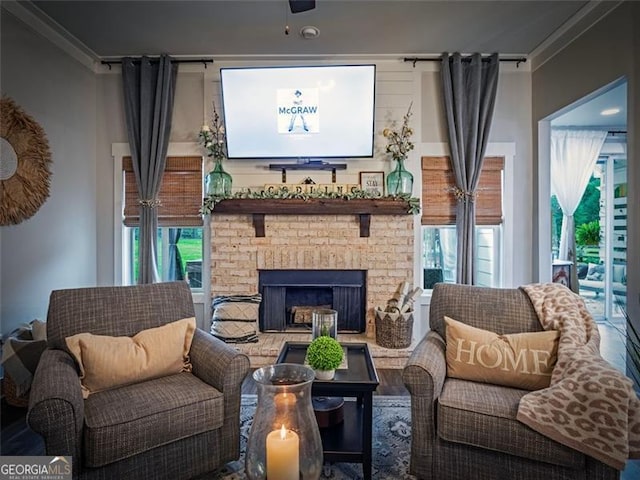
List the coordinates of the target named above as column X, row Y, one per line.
column 362, row 207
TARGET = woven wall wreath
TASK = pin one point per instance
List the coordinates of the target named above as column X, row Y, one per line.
column 24, row 164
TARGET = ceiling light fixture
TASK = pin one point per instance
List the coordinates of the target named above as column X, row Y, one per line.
column 610, row 111
column 309, row 32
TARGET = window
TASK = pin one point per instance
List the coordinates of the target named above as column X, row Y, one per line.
column 180, row 233
column 439, row 253
column 187, row 265
column 439, row 241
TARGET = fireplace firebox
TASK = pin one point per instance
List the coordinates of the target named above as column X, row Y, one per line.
column 289, row 296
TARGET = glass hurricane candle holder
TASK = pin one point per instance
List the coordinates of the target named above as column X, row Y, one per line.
column 284, row 440
column 324, row 321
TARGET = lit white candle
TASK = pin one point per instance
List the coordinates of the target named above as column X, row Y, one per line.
column 285, row 401
column 283, row 455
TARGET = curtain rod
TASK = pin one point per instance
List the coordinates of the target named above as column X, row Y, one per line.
column 617, row 132
column 414, row 60
column 204, row 61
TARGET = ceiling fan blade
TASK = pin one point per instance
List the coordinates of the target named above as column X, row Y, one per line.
column 298, row 6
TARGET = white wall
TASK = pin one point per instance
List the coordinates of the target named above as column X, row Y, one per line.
column 511, row 126
column 398, row 84
column 186, row 122
column 56, row 248
column 395, row 90
column 83, row 114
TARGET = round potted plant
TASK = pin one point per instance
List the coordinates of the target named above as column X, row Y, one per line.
column 324, row 355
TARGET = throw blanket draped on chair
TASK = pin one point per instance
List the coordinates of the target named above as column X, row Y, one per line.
column 589, row 406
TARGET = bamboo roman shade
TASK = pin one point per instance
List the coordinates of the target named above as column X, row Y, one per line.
column 180, row 194
column 439, row 201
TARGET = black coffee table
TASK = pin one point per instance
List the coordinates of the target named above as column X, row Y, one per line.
column 349, row 441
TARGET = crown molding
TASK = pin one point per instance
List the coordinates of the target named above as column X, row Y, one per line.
column 571, row 30
column 51, row 30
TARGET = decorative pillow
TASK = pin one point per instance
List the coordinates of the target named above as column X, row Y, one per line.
column 618, row 273
column 108, row 362
column 596, row 272
column 235, row 318
column 583, row 269
column 519, row 360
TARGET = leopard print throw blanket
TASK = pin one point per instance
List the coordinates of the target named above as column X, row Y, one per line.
column 589, row 406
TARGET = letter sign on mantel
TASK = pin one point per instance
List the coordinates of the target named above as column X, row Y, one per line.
column 341, row 188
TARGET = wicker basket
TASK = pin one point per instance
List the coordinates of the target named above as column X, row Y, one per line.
column 394, row 330
column 9, row 392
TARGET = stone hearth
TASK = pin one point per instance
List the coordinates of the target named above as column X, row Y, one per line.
column 266, row 350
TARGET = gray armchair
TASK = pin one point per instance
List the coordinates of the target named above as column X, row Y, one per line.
column 174, row 427
column 463, row 429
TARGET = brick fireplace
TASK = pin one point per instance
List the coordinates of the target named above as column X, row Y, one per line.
column 312, row 242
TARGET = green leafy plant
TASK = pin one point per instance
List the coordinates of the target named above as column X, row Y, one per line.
column 588, row 233
column 210, row 201
column 324, row 353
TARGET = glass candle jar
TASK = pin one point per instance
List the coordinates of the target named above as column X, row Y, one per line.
column 284, row 440
column 324, row 321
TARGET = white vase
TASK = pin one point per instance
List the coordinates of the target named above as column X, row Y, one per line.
column 325, row 374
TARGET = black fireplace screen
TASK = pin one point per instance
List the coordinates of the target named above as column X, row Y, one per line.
column 289, row 296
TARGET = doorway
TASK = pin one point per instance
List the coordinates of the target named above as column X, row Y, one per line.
column 599, row 208
column 601, row 236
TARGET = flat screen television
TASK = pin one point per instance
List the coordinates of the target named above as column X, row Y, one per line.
column 299, row 112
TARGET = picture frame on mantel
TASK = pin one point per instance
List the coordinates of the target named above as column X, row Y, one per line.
column 372, row 182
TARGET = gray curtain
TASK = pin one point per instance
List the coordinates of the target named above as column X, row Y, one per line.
column 175, row 259
column 149, row 88
column 469, row 90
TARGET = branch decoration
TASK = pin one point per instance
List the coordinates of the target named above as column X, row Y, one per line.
column 210, row 201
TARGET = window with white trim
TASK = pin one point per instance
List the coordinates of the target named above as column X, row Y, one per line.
column 439, row 242
column 180, row 232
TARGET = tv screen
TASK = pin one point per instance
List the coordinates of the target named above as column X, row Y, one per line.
column 299, row 112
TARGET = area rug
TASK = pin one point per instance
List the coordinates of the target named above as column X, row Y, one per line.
column 391, row 443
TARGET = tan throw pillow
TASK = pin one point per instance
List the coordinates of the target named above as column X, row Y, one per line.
column 519, row 360
column 108, row 362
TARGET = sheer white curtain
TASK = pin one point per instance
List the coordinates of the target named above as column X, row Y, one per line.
column 573, row 156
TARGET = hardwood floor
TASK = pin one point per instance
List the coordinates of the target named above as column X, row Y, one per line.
column 18, row 439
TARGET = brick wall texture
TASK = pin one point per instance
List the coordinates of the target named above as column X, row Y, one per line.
column 312, row 242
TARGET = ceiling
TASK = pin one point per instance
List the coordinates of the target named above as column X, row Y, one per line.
column 347, row 27
column 588, row 113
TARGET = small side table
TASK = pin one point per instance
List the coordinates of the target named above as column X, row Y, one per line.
column 561, row 272
column 349, row 441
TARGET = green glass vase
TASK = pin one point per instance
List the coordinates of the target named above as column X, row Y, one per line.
column 218, row 182
column 400, row 181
